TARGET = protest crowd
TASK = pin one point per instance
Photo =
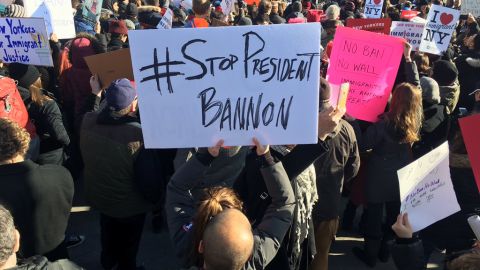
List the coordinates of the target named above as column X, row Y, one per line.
column 254, row 206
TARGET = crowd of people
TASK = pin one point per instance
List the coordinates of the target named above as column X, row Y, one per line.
column 229, row 208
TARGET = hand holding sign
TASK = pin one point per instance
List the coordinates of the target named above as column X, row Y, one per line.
column 260, row 149
column 403, row 228
column 215, row 150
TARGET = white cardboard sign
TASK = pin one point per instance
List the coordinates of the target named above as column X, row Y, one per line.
column 58, row 16
column 373, row 9
column 410, row 31
column 441, row 22
column 24, row 40
column 471, row 6
column 167, row 20
column 426, row 189
column 197, row 86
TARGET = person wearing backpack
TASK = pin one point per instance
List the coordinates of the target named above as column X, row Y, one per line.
column 44, row 112
column 13, row 108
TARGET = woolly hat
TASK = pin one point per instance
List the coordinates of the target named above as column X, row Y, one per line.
column 430, row 90
column 15, row 11
column 444, row 72
column 120, row 94
column 325, row 93
column 131, row 12
column 118, row 27
column 26, row 75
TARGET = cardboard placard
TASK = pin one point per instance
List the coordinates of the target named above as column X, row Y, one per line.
column 58, row 15
column 410, row 31
column 441, row 22
column 426, row 189
column 111, row 66
column 25, row 40
column 195, row 88
column 369, row 62
column 381, row 26
column 167, row 20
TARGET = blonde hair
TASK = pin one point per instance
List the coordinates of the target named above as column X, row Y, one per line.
column 14, row 140
column 213, row 201
column 406, row 113
column 36, row 93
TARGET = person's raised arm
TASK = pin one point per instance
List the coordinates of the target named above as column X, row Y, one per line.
column 278, row 217
column 180, row 205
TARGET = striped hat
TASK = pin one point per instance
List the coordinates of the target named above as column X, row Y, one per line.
column 14, row 10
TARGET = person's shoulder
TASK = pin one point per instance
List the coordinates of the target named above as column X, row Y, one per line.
column 52, row 171
column 63, row 265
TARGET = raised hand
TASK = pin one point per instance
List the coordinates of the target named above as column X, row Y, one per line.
column 261, row 149
column 215, row 150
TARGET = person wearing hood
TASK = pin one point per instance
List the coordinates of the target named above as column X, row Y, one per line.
column 446, row 75
column 10, row 245
column 119, row 35
column 74, row 81
column 436, row 121
column 44, row 111
column 296, row 11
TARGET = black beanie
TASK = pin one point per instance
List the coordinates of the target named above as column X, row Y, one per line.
column 444, row 72
column 26, row 75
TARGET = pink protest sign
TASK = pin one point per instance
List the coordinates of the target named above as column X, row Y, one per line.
column 369, row 62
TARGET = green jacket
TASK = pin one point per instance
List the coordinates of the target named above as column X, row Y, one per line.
column 109, row 152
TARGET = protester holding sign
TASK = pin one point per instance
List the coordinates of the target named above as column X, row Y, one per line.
column 390, row 140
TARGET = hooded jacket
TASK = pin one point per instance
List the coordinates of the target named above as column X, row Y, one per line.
column 449, row 96
column 75, row 81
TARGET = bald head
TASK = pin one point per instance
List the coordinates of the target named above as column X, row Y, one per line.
column 227, row 241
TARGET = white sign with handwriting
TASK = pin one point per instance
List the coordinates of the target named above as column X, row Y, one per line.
column 426, row 189
column 58, row 15
column 194, row 88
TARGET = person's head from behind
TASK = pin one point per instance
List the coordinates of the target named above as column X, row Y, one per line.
column 469, row 261
column 118, row 30
column 423, row 62
column 297, row 6
column 406, row 113
column 28, row 77
column 223, row 236
column 332, row 12
column 9, row 240
column 14, row 142
column 121, row 97
column 201, row 7
column 444, row 72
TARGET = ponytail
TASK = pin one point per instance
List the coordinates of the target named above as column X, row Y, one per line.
column 213, row 201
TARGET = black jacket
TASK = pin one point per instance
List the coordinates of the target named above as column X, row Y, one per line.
column 180, row 209
column 408, row 254
column 40, row 200
column 41, row 263
column 257, row 198
column 341, row 163
column 388, row 156
column 435, row 127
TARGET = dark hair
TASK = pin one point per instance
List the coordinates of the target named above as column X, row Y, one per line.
column 201, row 7
column 14, row 140
column 296, row 6
column 423, row 62
column 7, row 235
column 476, row 42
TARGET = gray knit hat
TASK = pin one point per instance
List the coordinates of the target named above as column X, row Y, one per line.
column 15, row 11
column 430, row 90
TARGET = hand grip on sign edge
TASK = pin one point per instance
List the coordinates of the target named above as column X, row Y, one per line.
column 95, row 85
column 328, row 121
column 403, row 228
column 261, row 149
column 407, row 51
column 215, row 150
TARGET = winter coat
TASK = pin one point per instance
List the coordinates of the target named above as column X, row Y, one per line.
column 388, row 155
column 449, row 95
column 180, row 209
column 341, row 163
column 468, row 71
column 110, row 147
column 435, row 127
column 40, row 199
column 408, row 254
column 41, row 263
column 276, row 19
column 257, row 199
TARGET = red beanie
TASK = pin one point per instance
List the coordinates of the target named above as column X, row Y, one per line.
column 118, row 27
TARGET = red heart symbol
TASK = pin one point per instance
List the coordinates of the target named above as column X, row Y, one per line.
column 446, row 18
column 377, row 2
